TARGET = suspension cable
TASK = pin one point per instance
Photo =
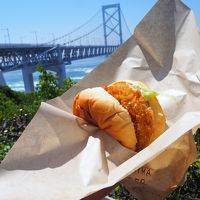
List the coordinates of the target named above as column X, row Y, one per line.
column 82, row 36
column 76, row 29
column 125, row 22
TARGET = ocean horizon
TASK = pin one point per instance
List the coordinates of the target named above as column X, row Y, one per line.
column 76, row 70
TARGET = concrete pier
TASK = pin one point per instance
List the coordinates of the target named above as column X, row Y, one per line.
column 27, row 73
column 2, row 80
column 61, row 74
column 61, row 67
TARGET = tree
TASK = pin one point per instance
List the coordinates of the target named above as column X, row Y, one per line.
column 47, row 88
column 67, row 83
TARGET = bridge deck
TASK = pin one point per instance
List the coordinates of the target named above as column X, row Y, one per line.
column 15, row 56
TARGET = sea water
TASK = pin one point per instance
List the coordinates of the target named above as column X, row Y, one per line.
column 76, row 70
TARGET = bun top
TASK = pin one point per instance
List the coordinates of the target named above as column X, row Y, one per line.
column 100, row 108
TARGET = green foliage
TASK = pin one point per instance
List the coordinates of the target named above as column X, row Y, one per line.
column 10, row 131
column 18, row 108
column 9, row 99
column 67, row 83
column 47, row 88
column 121, row 193
column 4, row 148
column 12, row 102
column 10, row 94
column 190, row 189
column 7, row 107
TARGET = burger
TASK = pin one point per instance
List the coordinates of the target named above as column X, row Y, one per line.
column 127, row 110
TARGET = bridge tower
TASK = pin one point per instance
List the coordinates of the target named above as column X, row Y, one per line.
column 112, row 21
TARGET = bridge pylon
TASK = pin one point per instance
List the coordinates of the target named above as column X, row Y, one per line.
column 27, row 74
column 2, row 80
column 61, row 73
column 112, row 21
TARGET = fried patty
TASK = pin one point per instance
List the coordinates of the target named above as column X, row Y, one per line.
column 141, row 113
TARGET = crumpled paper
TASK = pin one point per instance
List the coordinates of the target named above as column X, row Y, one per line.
column 60, row 156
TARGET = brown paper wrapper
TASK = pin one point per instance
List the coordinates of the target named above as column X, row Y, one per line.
column 60, row 156
column 162, row 175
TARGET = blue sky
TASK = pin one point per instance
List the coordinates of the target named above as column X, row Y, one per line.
column 47, row 19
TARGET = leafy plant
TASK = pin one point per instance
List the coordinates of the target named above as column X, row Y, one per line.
column 18, row 108
column 10, row 131
column 67, row 83
column 4, row 148
column 12, row 102
column 47, row 88
column 121, row 193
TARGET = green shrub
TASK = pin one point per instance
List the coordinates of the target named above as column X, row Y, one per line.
column 4, row 148
column 12, row 102
column 8, row 108
column 67, row 83
column 47, row 88
column 18, row 108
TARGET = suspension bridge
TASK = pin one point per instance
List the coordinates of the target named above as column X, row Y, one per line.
column 55, row 54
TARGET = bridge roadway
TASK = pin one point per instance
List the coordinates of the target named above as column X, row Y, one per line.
column 27, row 56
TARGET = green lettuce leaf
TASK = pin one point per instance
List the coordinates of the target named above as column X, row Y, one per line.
column 147, row 92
